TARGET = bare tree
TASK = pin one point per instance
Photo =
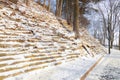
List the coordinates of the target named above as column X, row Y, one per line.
column 59, row 8
column 39, row 1
column 69, row 11
column 119, row 38
column 119, row 33
column 14, row 1
column 44, row 4
column 26, row 2
column 49, row 5
column 110, row 20
column 76, row 19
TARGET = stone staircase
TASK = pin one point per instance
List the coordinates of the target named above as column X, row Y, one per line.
column 33, row 42
column 21, row 51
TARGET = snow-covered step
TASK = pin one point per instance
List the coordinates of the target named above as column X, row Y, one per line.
column 13, row 61
column 15, row 34
column 10, row 70
column 6, row 36
column 14, row 52
column 44, row 43
column 13, row 49
column 20, row 71
column 27, row 58
column 23, row 65
column 72, row 57
column 12, row 40
column 27, row 64
column 10, row 45
column 17, row 56
column 47, row 46
column 15, row 29
column 24, row 54
column 31, row 52
column 62, row 42
column 49, row 50
column 18, row 32
column 33, row 40
column 72, row 54
column 4, row 59
column 49, row 34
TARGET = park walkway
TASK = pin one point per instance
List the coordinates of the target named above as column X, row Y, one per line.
column 108, row 68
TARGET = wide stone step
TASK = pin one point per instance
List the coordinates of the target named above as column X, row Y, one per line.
column 46, row 43
column 26, row 58
column 49, row 50
column 17, row 57
column 12, row 40
column 28, row 67
column 25, row 53
column 23, row 65
column 15, row 34
column 34, row 63
column 33, row 40
column 19, row 35
column 23, row 70
column 73, row 56
column 20, row 71
column 20, row 43
column 14, row 52
column 47, row 46
column 63, row 42
column 10, row 45
column 14, row 49
column 16, row 31
column 10, row 36
column 17, row 63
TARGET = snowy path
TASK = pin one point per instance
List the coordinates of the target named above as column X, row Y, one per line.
column 108, row 68
column 72, row 70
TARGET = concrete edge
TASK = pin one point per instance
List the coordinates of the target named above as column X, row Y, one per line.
column 91, row 68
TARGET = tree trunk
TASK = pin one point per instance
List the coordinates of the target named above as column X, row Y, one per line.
column 119, row 37
column 26, row 2
column 67, row 10
column 14, row 1
column 76, row 19
column 39, row 1
column 70, row 12
column 44, row 4
column 109, row 46
column 57, row 3
column 104, row 33
column 49, row 5
column 59, row 8
column 109, row 38
column 111, row 42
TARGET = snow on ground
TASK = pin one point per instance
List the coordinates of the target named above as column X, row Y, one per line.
column 72, row 70
column 108, row 68
column 32, row 37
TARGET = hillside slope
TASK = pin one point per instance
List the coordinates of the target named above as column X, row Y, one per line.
column 32, row 38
